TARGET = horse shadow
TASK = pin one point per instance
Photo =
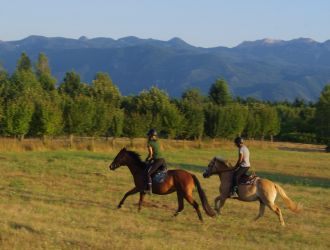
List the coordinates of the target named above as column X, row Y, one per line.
column 296, row 180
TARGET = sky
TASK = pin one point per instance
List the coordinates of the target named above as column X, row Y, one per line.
column 204, row 23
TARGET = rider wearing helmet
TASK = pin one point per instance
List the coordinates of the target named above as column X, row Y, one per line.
column 154, row 159
column 243, row 162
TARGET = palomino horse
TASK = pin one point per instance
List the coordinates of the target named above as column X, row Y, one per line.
column 177, row 180
column 262, row 189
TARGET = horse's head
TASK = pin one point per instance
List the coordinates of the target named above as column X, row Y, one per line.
column 119, row 160
column 216, row 166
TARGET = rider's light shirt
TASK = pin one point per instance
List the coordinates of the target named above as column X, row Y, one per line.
column 246, row 156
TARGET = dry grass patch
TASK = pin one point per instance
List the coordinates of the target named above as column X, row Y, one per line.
column 67, row 200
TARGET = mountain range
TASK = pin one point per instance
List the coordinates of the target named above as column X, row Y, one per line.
column 266, row 69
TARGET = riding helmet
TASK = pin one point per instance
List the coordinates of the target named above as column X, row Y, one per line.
column 152, row 132
column 238, row 140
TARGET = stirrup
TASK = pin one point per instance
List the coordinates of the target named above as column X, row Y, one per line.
column 234, row 192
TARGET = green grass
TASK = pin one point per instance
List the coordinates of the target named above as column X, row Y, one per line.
column 68, row 199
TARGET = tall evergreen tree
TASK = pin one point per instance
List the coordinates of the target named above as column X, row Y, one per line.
column 191, row 107
column 322, row 116
column 219, row 93
column 43, row 73
column 18, row 115
column 78, row 114
column 72, row 85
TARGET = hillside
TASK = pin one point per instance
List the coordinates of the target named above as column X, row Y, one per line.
column 266, row 69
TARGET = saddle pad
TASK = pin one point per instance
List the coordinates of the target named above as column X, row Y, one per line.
column 159, row 177
column 248, row 180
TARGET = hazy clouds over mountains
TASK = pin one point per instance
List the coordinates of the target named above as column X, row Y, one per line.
column 267, row 69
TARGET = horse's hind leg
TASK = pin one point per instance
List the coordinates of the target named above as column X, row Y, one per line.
column 261, row 210
column 132, row 191
column 276, row 210
column 192, row 202
column 180, row 203
column 216, row 207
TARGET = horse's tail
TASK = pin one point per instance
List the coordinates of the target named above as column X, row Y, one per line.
column 293, row 206
column 209, row 211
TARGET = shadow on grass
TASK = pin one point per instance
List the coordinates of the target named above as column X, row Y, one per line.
column 18, row 226
column 276, row 177
column 50, row 199
column 296, row 180
column 188, row 167
column 302, row 149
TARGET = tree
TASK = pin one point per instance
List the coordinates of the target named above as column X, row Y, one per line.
column 24, row 63
column 72, row 85
column 47, row 116
column 219, row 93
column 212, row 125
column 253, row 124
column 270, row 124
column 225, row 121
column 117, row 124
column 23, row 80
column 108, row 119
column 43, row 73
column 78, row 115
column 191, row 106
column 152, row 109
column 322, row 117
column 103, row 88
column 18, row 115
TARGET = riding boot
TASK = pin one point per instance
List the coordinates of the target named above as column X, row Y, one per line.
column 234, row 192
column 149, row 188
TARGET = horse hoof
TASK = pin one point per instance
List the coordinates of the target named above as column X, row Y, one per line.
column 119, row 206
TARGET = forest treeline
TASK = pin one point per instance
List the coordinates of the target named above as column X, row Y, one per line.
column 33, row 104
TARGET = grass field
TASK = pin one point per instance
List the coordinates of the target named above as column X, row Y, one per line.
column 67, row 200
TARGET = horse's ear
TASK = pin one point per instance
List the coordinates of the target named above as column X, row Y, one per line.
column 124, row 149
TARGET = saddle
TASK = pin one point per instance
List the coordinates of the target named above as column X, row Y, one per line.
column 159, row 176
column 248, row 179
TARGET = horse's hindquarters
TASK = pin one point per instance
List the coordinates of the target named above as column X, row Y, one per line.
column 166, row 187
column 266, row 190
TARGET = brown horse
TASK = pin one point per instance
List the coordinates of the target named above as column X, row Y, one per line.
column 262, row 189
column 177, row 180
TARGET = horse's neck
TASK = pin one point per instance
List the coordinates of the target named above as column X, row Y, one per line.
column 226, row 176
column 135, row 167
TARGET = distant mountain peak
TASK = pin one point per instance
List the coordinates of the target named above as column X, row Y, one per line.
column 178, row 42
column 271, row 41
column 303, row 40
column 261, row 42
column 83, row 38
column 129, row 39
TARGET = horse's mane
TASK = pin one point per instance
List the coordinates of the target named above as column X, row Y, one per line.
column 136, row 156
column 223, row 161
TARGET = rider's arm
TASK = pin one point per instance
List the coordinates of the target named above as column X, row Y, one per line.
column 150, row 153
column 240, row 159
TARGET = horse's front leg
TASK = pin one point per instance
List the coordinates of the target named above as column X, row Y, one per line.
column 216, row 207
column 142, row 194
column 132, row 191
column 221, row 201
